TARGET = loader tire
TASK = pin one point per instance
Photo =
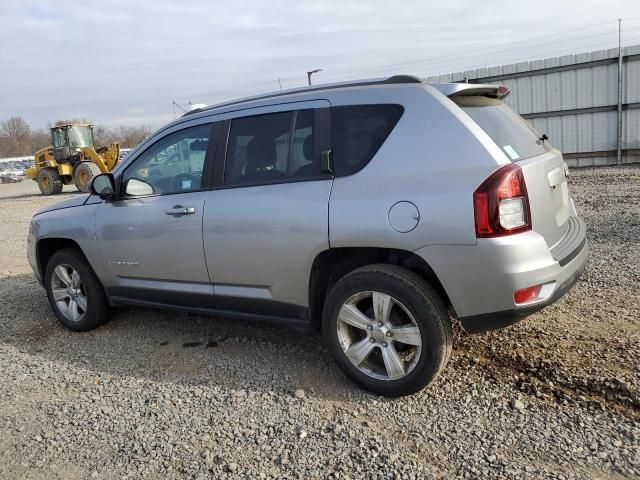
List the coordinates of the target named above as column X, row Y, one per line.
column 83, row 174
column 49, row 181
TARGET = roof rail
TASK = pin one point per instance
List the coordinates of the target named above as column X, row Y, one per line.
column 395, row 79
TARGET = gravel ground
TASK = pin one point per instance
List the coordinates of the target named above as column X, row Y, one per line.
column 167, row 395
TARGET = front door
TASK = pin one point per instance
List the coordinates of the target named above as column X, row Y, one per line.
column 150, row 239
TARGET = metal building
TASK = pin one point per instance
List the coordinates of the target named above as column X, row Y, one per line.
column 574, row 100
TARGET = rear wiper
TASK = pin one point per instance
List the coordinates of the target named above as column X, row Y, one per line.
column 543, row 138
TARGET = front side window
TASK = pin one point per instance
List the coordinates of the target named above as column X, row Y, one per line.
column 271, row 148
column 172, row 165
column 358, row 132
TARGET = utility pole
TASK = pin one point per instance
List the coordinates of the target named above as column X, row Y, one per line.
column 311, row 73
column 619, row 130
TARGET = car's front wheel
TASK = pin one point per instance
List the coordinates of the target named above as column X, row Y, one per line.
column 75, row 294
column 388, row 329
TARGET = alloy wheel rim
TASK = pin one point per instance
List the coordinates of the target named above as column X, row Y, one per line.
column 68, row 292
column 379, row 336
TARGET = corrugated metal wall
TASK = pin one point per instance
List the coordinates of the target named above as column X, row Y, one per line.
column 573, row 99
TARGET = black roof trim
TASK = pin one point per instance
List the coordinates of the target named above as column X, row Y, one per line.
column 396, row 79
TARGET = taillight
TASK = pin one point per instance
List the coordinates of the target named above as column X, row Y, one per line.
column 501, row 204
column 526, row 294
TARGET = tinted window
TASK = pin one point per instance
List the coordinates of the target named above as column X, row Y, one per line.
column 272, row 147
column 358, row 132
column 174, row 164
column 515, row 137
column 303, row 160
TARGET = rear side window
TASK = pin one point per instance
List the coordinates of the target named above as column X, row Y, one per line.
column 515, row 137
column 271, row 148
column 358, row 132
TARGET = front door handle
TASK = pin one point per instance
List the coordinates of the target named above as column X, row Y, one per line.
column 179, row 210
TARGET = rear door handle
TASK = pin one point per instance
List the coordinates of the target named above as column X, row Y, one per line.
column 179, row 210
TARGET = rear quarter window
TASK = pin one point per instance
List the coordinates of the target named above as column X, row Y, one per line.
column 358, row 132
column 515, row 137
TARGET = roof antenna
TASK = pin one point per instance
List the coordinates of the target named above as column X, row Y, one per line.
column 175, row 104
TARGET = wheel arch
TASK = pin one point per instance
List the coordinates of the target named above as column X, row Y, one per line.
column 332, row 264
column 46, row 247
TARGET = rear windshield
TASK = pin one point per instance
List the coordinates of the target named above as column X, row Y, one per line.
column 517, row 139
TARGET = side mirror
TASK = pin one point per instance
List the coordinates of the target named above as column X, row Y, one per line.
column 137, row 188
column 103, row 185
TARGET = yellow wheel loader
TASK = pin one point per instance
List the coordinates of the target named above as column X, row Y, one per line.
column 73, row 158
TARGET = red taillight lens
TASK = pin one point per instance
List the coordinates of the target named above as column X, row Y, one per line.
column 525, row 294
column 501, row 204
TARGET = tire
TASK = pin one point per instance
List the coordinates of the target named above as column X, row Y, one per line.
column 49, row 181
column 83, row 174
column 391, row 368
column 87, row 291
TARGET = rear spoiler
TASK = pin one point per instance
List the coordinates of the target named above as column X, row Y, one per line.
column 458, row 89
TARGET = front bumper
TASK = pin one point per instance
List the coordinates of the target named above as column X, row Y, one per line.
column 481, row 279
column 31, row 253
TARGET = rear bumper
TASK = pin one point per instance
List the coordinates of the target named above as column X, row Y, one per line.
column 495, row 320
column 481, row 279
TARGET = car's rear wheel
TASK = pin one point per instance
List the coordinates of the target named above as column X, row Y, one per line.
column 388, row 329
column 75, row 293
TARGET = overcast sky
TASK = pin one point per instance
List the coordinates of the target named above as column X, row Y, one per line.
column 124, row 61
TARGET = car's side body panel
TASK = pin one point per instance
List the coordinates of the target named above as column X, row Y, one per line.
column 143, row 247
column 430, row 160
column 260, row 241
column 74, row 223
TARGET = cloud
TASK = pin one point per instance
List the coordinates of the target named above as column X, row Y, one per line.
column 118, row 61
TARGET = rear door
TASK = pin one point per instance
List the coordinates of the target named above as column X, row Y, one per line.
column 543, row 167
column 267, row 217
column 150, row 239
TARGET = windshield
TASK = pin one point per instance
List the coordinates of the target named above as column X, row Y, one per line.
column 80, row 137
column 515, row 137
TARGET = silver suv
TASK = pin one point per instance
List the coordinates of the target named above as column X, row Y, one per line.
column 375, row 211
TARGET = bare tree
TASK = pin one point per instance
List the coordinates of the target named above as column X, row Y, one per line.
column 38, row 140
column 129, row 137
column 16, row 132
